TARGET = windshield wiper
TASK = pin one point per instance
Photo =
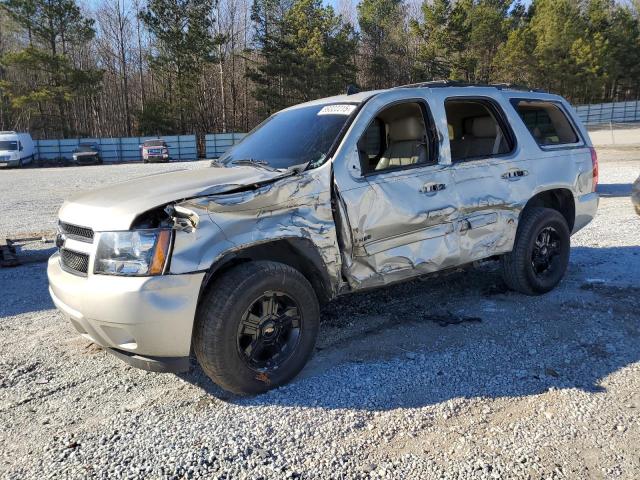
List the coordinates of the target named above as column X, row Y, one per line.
column 254, row 163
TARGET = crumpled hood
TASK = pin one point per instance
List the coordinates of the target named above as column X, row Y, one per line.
column 115, row 207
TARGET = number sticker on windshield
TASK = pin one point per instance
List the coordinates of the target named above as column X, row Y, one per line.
column 337, row 110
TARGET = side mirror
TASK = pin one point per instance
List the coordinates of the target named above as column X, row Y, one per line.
column 20, row 146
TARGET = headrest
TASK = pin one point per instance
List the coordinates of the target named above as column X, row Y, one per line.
column 404, row 129
column 484, row 127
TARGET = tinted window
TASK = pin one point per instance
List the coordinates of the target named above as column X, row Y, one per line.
column 546, row 121
column 371, row 142
column 296, row 137
column 86, row 148
column 154, row 143
column 475, row 130
column 8, row 145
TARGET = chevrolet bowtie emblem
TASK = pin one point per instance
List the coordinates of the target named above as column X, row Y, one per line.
column 60, row 238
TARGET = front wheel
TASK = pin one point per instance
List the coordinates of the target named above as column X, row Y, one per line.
column 540, row 254
column 256, row 327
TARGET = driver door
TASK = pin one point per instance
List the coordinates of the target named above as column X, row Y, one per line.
column 397, row 203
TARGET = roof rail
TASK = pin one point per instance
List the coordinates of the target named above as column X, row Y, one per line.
column 457, row 83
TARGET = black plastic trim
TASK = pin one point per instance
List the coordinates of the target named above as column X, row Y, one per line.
column 153, row 364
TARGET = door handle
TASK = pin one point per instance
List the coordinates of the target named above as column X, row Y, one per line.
column 432, row 187
column 514, row 174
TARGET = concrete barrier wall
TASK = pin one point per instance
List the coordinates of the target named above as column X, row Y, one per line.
column 127, row 149
column 181, row 147
column 218, row 143
column 615, row 135
column 601, row 113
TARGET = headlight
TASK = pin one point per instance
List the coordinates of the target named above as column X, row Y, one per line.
column 135, row 253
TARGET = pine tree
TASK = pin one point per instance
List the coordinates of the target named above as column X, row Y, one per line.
column 181, row 29
column 306, row 53
column 384, row 41
column 54, row 29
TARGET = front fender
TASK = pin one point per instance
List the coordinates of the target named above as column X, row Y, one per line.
column 297, row 207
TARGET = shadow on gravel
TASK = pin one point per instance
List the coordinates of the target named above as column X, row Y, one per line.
column 24, row 289
column 614, row 189
column 465, row 335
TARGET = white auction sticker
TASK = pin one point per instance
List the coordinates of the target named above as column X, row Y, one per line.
column 337, row 110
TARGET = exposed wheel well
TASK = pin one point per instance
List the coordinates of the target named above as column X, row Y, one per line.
column 298, row 253
column 560, row 199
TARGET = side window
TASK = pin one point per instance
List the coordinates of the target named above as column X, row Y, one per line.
column 475, row 130
column 546, row 121
column 371, row 143
column 398, row 137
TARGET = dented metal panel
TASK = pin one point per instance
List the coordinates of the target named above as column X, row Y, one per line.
column 298, row 206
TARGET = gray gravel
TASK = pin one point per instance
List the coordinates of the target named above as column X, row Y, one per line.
column 450, row 377
column 31, row 197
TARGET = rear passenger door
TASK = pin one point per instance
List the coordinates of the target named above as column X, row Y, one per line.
column 492, row 176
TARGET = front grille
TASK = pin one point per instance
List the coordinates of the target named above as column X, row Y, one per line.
column 74, row 262
column 83, row 234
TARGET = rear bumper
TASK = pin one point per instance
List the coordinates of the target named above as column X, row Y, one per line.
column 586, row 208
column 147, row 321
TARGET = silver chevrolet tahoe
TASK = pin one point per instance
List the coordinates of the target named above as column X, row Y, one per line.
column 324, row 198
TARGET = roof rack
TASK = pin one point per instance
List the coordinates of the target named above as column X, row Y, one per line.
column 457, row 83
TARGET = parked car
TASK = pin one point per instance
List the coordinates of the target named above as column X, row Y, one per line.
column 87, row 153
column 325, row 198
column 635, row 195
column 16, row 149
column 155, row 150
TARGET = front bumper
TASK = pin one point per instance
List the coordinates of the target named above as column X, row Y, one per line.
column 157, row 158
column 586, row 208
column 146, row 321
column 5, row 162
column 86, row 159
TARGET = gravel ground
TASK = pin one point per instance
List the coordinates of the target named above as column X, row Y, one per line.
column 32, row 196
column 449, row 377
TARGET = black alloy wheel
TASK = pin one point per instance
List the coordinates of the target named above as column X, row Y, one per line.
column 546, row 252
column 269, row 331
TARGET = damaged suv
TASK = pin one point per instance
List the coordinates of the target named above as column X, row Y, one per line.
column 322, row 199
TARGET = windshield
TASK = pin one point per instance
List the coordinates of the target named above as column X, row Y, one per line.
column 292, row 138
column 154, row 143
column 8, row 145
column 86, row 148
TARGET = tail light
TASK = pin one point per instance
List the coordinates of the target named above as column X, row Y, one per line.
column 594, row 164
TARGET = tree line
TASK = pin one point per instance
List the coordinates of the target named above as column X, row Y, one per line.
column 145, row 67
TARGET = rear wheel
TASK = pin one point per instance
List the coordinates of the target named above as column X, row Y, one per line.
column 256, row 327
column 540, row 254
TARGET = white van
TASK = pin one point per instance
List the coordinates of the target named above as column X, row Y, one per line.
column 16, row 149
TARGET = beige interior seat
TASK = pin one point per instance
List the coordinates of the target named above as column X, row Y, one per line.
column 484, row 138
column 406, row 143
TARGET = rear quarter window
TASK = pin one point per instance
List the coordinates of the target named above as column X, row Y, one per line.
column 546, row 121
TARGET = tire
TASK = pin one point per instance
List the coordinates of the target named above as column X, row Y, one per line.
column 530, row 268
column 221, row 341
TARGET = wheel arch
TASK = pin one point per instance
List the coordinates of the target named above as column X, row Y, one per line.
column 560, row 199
column 298, row 253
